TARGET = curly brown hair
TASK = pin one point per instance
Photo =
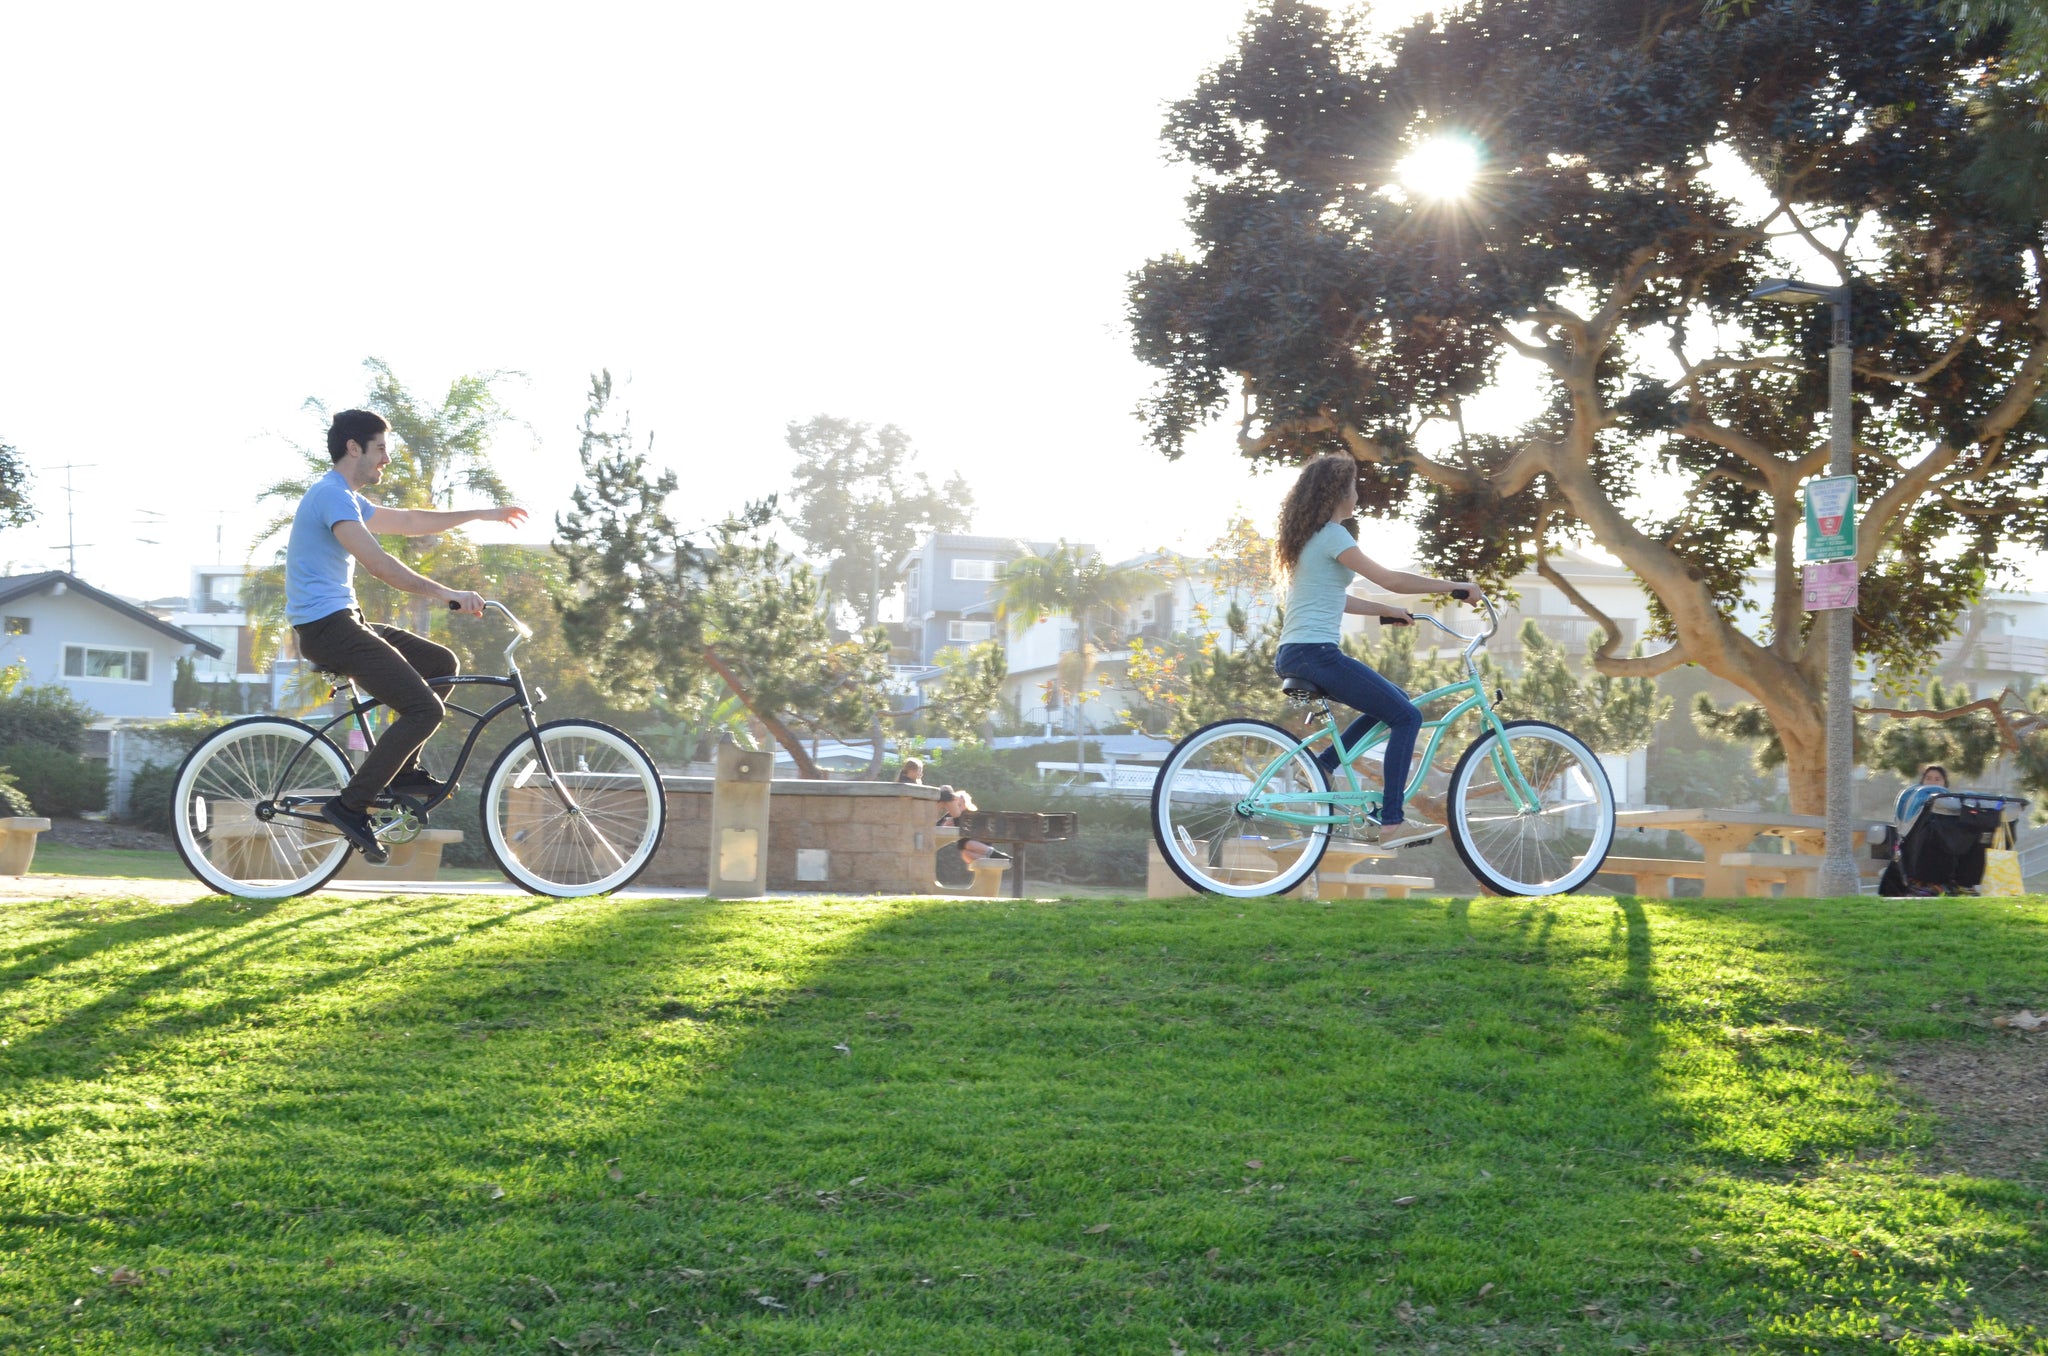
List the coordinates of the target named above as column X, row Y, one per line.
column 1317, row 493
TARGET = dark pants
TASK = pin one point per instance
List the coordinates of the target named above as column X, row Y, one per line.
column 393, row 666
column 1358, row 687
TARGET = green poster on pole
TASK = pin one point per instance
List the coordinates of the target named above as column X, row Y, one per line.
column 1831, row 518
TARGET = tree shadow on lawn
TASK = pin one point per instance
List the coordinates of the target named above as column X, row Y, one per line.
column 113, row 1027
column 994, row 1126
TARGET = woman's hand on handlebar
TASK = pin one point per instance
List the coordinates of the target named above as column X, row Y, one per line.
column 1397, row 616
column 1466, row 591
column 463, row 601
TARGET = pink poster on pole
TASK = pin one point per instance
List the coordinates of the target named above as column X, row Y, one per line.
column 1830, row 584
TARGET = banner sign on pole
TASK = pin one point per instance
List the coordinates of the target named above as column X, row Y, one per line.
column 1831, row 518
column 1830, row 584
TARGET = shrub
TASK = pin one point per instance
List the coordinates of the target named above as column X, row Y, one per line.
column 48, row 715
column 149, row 796
column 60, row 784
column 12, row 801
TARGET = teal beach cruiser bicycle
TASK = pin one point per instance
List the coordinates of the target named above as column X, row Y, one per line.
column 1242, row 808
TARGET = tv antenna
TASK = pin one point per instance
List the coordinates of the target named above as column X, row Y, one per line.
column 71, row 542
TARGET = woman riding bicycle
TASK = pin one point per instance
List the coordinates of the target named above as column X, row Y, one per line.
column 1316, row 556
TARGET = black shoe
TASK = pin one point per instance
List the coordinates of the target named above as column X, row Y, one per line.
column 417, row 783
column 996, row 856
column 354, row 825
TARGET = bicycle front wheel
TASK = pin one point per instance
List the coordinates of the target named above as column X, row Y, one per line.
column 246, row 804
column 586, row 822
column 1531, row 814
column 1210, row 804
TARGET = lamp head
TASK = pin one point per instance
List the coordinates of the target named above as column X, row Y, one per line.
column 1792, row 291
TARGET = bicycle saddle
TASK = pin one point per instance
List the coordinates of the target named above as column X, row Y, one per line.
column 1301, row 689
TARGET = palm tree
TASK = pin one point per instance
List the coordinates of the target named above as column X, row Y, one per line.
column 1071, row 582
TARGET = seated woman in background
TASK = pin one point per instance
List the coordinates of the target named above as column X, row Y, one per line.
column 1933, row 780
column 952, row 804
column 912, row 773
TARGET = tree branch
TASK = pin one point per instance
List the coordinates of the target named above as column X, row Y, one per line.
column 2010, row 730
column 1604, row 659
column 805, row 768
column 1926, row 373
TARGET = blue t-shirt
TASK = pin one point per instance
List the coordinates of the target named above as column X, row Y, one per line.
column 1315, row 596
column 319, row 573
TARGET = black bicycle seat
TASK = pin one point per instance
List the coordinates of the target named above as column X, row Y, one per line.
column 1301, row 689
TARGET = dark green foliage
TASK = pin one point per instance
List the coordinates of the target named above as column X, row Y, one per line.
column 857, row 504
column 15, row 508
column 150, row 790
column 44, row 714
column 13, row 800
column 59, row 784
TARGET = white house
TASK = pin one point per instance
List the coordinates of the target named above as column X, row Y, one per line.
column 112, row 655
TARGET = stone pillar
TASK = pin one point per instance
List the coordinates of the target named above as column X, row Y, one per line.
column 739, row 823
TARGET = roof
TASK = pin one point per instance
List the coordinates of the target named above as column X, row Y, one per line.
column 22, row 585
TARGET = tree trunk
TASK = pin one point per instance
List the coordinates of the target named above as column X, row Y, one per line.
column 805, row 767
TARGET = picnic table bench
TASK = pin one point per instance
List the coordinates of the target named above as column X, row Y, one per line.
column 1727, row 867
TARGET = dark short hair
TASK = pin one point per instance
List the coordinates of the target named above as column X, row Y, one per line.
column 353, row 426
column 1935, row 767
column 948, row 793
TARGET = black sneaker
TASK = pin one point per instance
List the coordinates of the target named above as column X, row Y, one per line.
column 417, row 783
column 354, row 825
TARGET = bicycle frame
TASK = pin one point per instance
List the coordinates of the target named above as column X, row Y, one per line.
column 359, row 707
column 1358, row 797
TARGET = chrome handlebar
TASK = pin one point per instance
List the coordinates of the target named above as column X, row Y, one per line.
column 520, row 630
column 1473, row 643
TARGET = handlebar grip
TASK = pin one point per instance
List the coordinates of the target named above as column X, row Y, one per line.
column 1462, row 595
column 454, row 606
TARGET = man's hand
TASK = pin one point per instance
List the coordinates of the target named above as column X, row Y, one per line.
column 469, row 604
column 512, row 515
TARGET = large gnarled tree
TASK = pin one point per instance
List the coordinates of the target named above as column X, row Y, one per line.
column 1643, row 167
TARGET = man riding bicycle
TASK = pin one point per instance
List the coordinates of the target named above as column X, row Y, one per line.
column 334, row 528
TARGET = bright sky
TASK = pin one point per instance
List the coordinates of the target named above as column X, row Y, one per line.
column 920, row 214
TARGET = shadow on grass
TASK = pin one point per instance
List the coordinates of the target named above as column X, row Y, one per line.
column 951, row 1126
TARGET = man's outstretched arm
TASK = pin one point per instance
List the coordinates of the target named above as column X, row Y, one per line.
column 397, row 522
column 381, row 564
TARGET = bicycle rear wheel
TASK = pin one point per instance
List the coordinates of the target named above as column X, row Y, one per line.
column 591, row 827
column 1201, row 823
column 245, row 806
column 1550, row 844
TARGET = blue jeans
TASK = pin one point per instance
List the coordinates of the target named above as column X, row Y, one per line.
column 1381, row 703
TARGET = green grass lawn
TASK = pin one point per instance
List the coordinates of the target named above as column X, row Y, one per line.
column 990, row 1126
column 59, row 859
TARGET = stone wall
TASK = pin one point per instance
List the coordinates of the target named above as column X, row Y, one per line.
column 835, row 837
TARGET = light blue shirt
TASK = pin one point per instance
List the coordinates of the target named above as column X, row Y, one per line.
column 1315, row 596
column 319, row 573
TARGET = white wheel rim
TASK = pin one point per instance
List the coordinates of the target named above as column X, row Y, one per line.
column 214, row 807
column 1525, row 853
column 1202, row 780
column 598, row 846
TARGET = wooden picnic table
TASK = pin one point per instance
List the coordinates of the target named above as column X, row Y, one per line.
column 1723, row 835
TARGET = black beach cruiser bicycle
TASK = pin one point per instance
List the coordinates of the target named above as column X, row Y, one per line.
column 570, row 808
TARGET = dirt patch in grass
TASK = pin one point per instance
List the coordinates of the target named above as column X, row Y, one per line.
column 91, row 833
column 1993, row 1101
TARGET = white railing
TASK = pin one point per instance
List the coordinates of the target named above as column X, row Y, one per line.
column 2034, row 857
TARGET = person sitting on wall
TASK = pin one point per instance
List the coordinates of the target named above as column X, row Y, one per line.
column 912, row 773
column 966, row 851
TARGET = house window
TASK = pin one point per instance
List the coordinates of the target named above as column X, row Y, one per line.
column 966, row 630
column 983, row 570
column 18, row 626
column 106, row 665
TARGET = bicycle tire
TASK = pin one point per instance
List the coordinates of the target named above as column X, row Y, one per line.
column 1539, row 840
column 1177, row 817
column 209, row 782
column 536, row 853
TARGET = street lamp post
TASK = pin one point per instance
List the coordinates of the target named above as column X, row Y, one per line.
column 1838, row 874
